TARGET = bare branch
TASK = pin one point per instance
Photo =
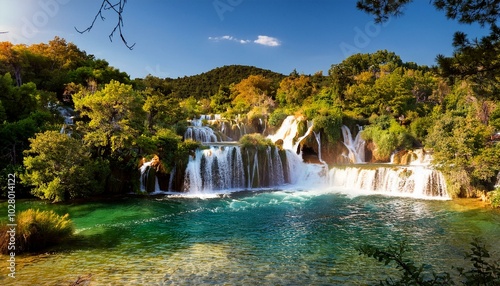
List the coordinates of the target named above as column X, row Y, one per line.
column 117, row 8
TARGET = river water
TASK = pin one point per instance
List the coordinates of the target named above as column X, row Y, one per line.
column 273, row 237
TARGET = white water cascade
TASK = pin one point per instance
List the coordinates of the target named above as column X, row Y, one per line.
column 67, row 114
column 412, row 181
column 288, row 132
column 145, row 173
column 222, row 167
column 200, row 133
column 355, row 146
column 226, row 167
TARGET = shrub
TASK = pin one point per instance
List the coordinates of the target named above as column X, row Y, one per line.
column 495, row 198
column 277, row 117
column 255, row 140
column 36, row 230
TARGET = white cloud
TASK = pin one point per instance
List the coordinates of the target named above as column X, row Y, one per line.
column 267, row 41
column 261, row 40
column 228, row 38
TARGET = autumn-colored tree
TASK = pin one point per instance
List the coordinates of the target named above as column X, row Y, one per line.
column 254, row 91
column 294, row 90
column 14, row 58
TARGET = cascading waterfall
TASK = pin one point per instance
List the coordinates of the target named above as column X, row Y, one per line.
column 200, row 133
column 356, row 146
column 414, row 181
column 222, row 168
column 203, row 134
column 67, row 114
column 149, row 181
column 287, row 132
column 229, row 167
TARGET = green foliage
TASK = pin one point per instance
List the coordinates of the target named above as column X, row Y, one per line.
column 167, row 143
column 411, row 274
column 36, row 230
column 342, row 75
column 184, row 150
column 209, row 83
column 387, row 135
column 15, row 136
column 116, row 117
column 462, row 152
column 59, row 168
column 277, row 117
column 420, row 127
column 17, row 102
column 495, row 198
column 221, row 101
column 162, row 111
column 255, row 141
column 483, row 270
column 323, row 108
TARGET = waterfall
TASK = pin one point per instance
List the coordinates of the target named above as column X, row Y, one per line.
column 287, row 132
column 317, row 136
column 216, row 168
column 228, row 167
column 356, row 146
column 67, row 114
column 149, row 181
column 203, row 134
column 413, row 181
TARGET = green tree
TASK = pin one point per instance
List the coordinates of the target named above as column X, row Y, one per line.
column 60, row 167
column 466, row 11
column 115, row 117
column 458, row 142
column 162, row 111
column 475, row 60
column 387, row 135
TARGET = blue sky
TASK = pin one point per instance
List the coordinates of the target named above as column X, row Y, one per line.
column 175, row 38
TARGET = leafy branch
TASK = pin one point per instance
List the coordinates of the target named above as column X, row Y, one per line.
column 483, row 271
column 117, row 8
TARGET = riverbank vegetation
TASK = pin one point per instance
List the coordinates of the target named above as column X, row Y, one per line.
column 35, row 231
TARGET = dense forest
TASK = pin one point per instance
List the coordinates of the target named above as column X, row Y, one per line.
column 120, row 121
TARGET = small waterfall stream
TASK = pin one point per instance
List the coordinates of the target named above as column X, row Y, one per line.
column 355, row 146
